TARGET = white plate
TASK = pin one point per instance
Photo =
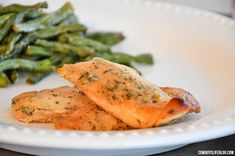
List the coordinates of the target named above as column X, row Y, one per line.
column 193, row 49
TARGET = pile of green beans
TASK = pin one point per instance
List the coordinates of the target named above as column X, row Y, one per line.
column 37, row 43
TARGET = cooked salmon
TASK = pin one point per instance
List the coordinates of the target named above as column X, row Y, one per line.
column 67, row 107
column 122, row 92
column 98, row 119
column 95, row 119
column 79, row 113
column 45, row 105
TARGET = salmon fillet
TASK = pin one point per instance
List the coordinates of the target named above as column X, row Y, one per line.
column 67, row 107
column 81, row 119
column 122, row 92
column 45, row 105
column 95, row 119
column 83, row 113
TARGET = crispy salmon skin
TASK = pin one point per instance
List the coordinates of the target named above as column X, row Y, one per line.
column 122, row 92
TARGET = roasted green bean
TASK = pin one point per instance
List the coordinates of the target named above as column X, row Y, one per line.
column 28, row 65
column 144, row 59
column 29, row 14
column 20, row 8
column 4, row 81
column 19, row 46
column 68, row 60
column 38, row 51
column 36, row 77
column 126, row 59
column 28, row 57
column 70, row 20
column 82, row 51
column 14, row 37
column 13, row 76
column 45, row 20
column 108, row 38
column 79, row 41
column 6, row 27
column 5, row 18
column 54, row 31
column 2, row 49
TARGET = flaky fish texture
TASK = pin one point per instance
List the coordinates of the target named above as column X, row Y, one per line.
column 122, row 92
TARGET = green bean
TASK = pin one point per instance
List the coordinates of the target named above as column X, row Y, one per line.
column 57, row 59
column 2, row 49
column 19, row 46
column 61, row 14
column 54, row 31
column 70, row 20
column 28, row 57
column 6, row 39
column 68, row 60
column 6, row 27
column 117, row 57
column 20, row 17
column 37, row 51
column 82, row 51
column 75, row 33
column 126, row 59
column 144, row 59
column 33, row 78
column 14, row 37
column 28, row 65
column 5, row 18
column 78, row 41
column 9, row 37
column 14, row 76
column 29, row 14
column 4, row 81
column 45, row 20
column 108, row 38
column 31, row 25
column 20, row 8
column 36, row 77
